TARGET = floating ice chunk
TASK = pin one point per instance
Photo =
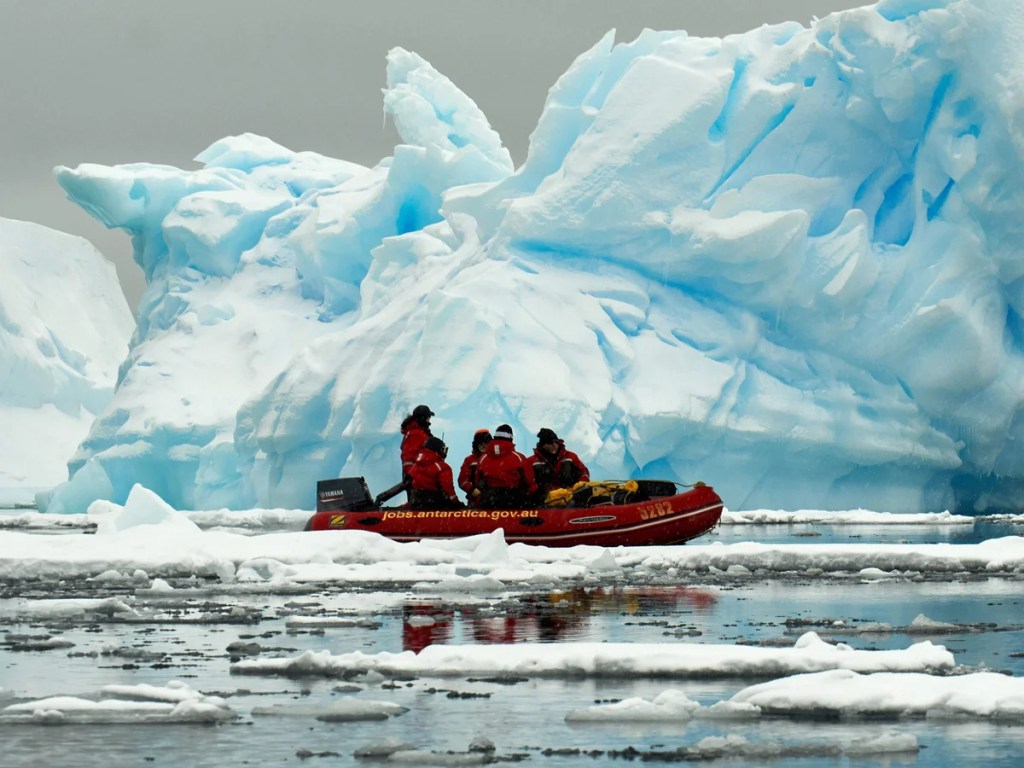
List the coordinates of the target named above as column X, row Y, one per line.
column 668, row 705
column 474, row 584
column 263, row 569
column 893, row 694
column 175, row 703
column 143, row 507
column 887, row 743
column 492, row 549
column 342, row 710
column 681, row 660
column 63, row 608
column 383, row 748
column 603, row 563
column 874, row 574
column 923, row 624
column 159, row 585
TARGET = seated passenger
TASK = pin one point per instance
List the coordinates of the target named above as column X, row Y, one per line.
column 430, row 478
column 467, row 475
column 504, row 475
column 554, row 466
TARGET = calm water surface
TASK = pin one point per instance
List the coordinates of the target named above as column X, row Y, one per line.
column 524, row 719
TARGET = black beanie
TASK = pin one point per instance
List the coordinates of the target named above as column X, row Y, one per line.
column 503, row 432
column 546, row 436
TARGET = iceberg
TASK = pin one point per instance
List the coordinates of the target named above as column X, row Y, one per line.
column 64, row 329
column 785, row 262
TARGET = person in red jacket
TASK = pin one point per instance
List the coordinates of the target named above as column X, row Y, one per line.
column 415, row 431
column 554, row 466
column 505, row 476
column 467, row 475
column 430, row 478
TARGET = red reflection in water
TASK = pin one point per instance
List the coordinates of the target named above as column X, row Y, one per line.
column 544, row 618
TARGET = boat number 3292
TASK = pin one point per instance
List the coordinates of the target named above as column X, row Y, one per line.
column 658, row 509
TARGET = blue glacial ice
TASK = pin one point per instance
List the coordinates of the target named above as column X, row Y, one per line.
column 786, row 263
column 64, row 329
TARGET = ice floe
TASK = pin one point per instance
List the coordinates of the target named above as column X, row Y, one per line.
column 670, row 660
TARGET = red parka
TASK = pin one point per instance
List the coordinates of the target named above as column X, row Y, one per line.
column 502, row 466
column 467, row 475
column 414, row 435
column 561, row 469
column 431, row 473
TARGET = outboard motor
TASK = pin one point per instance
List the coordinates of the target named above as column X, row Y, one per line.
column 343, row 494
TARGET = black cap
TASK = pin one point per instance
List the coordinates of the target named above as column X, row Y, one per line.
column 436, row 444
column 422, row 412
column 546, row 436
column 481, row 436
column 503, row 432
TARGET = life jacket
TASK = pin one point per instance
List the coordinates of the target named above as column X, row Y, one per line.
column 430, row 482
column 502, row 466
column 467, row 474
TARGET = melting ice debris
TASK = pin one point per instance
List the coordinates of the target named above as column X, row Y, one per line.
column 733, row 747
column 64, row 329
column 384, row 748
column 114, row 576
column 924, row 625
column 395, row 752
column 681, row 660
column 174, row 703
column 264, row 569
column 668, row 705
column 772, row 261
column 64, row 608
column 342, row 710
column 841, row 517
column 842, row 692
column 471, row 584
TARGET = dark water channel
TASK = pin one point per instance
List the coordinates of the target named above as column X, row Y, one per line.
column 205, row 630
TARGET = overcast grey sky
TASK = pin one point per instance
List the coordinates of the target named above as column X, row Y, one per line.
column 121, row 81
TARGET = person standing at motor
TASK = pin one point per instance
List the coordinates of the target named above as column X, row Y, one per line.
column 467, row 475
column 415, row 433
column 504, row 476
column 430, row 478
column 554, row 466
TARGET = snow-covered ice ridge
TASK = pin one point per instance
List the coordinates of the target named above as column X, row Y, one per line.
column 785, row 262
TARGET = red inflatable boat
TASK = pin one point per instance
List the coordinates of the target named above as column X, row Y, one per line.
column 642, row 512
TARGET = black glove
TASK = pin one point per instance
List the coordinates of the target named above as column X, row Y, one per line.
column 379, row 500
